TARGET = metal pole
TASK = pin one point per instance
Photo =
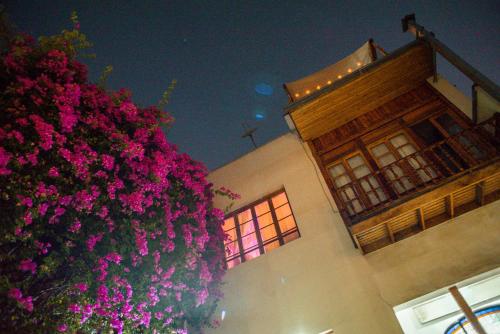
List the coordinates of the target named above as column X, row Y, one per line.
column 409, row 23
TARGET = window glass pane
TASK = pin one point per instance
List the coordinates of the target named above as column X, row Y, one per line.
column 427, row 132
column 373, row 198
column 344, row 196
column 268, row 233
column 399, row 140
column 373, row 182
column 272, row 245
column 249, row 242
column 251, row 255
column 247, row 228
column 386, row 159
column 279, row 200
column 356, row 206
column 262, row 208
column 337, row 170
column 381, row 194
column 228, row 224
column 232, row 263
column 449, row 124
column 291, row 236
column 232, row 249
column 349, row 192
column 244, row 216
column 342, row 180
column 365, row 185
column 287, row 224
column 283, row 211
column 355, row 161
column 361, row 171
column 406, row 150
column 379, row 150
column 231, row 235
column 265, row 220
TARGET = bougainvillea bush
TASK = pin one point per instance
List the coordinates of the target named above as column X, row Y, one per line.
column 104, row 225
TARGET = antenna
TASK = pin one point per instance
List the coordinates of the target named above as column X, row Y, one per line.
column 249, row 133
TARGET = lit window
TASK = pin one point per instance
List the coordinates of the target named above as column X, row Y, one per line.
column 259, row 228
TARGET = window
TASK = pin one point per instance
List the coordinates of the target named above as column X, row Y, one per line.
column 259, row 228
column 400, row 158
column 400, row 163
column 365, row 185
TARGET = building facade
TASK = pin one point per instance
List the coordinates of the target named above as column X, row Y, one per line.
column 382, row 196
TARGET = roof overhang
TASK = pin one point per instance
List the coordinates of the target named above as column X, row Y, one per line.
column 362, row 90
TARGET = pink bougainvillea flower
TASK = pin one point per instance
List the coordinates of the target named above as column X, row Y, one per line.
column 53, row 172
column 28, row 265
column 82, row 287
column 27, row 303
column 4, row 160
column 15, row 293
column 62, row 328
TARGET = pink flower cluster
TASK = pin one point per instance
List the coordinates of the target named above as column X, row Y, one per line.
column 95, row 182
column 28, row 265
column 25, row 302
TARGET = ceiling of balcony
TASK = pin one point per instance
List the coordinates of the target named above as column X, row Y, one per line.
column 362, row 90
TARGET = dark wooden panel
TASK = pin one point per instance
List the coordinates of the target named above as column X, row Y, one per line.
column 420, row 97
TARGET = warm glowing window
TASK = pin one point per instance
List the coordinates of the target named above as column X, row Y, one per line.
column 259, row 228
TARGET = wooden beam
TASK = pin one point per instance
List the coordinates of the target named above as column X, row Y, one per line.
column 477, row 77
column 467, row 310
column 480, row 193
column 421, row 219
column 389, row 230
column 434, row 66
column 474, row 104
column 358, row 245
column 450, row 206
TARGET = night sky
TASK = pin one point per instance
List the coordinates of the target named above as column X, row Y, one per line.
column 230, row 58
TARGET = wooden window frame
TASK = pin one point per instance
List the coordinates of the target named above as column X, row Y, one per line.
column 456, row 146
column 408, row 170
column 280, row 236
column 362, row 195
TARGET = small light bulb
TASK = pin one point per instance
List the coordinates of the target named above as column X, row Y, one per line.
column 339, row 76
column 358, row 63
column 318, row 87
column 296, row 94
column 308, row 91
column 329, row 82
column 349, row 70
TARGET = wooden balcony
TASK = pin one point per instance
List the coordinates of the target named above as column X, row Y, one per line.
column 425, row 188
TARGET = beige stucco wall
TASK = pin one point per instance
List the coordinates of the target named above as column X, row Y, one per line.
column 487, row 106
column 453, row 94
column 321, row 281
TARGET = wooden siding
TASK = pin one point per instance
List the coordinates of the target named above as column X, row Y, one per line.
column 421, row 97
column 367, row 92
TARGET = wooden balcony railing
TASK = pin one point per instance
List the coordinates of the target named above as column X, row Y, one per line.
column 421, row 171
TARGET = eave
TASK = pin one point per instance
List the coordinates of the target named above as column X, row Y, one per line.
column 362, row 90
